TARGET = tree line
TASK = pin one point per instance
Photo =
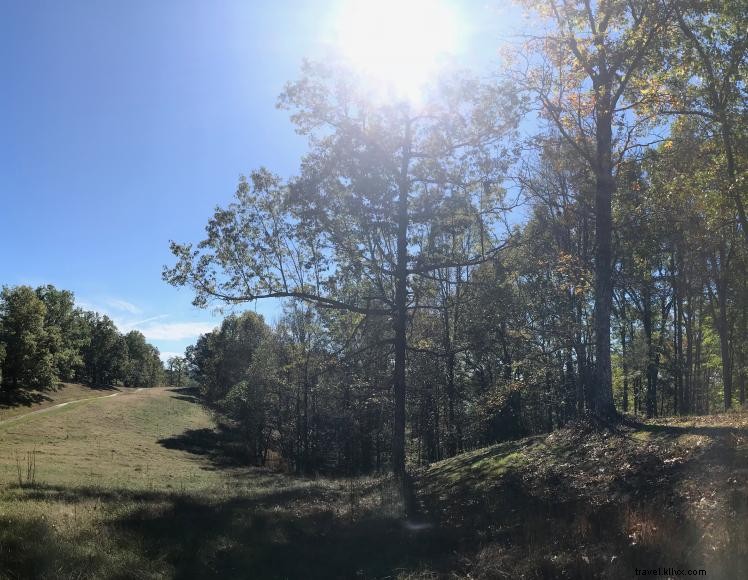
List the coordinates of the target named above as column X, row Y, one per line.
column 45, row 339
column 506, row 256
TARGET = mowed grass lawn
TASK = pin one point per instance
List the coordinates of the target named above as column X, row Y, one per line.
column 110, row 442
column 138, row 486
column 28, row 401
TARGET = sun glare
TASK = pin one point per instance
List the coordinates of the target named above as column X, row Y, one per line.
column 398, row 45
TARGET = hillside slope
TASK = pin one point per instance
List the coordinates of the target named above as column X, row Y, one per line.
column 23, row 402
column 600, row 503
column 143, row 485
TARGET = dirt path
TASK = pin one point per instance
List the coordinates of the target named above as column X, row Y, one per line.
column 59, row 405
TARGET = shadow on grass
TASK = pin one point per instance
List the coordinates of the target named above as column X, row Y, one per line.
column 584, row 517
column 222, row 446
column 21, row 398
column 300, row 532
column 189, row 394
column 675, row 431
column 235, row 539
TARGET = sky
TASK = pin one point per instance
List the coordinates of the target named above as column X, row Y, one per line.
column 124, row 123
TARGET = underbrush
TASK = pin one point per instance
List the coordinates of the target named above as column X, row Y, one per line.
column 588, row 502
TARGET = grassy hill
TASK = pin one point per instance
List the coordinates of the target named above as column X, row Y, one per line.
column 600, row 503
column 24, row 402
column 143, row 485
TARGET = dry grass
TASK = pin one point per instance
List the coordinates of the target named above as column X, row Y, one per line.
column 23, row 402
column 142, row 486
column 110, row 442
column 597, row 503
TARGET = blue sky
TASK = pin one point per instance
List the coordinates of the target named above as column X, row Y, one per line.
column 123, row 124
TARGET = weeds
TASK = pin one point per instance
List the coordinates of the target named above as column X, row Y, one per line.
column 26, row 478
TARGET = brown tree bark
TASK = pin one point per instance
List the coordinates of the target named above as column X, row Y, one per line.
column 400, row 322
column 605, row 188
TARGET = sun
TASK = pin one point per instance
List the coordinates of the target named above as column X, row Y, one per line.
column 397, row 45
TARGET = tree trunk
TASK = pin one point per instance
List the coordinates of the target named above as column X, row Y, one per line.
column 623, row 363
column 651, row 396
column 724, row 348
column 677, row 337
column 742, row 342
column 605, row 187
column 687, row 406
column 401, row 314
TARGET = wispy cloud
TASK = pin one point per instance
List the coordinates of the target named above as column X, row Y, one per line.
column 136, row 324
column 123, row 305
column 125, row 316
column 175, row 330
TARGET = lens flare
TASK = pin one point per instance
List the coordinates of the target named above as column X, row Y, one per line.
column 397, row 45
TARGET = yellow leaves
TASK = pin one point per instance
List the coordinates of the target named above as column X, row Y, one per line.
column 574, row 276
column 424, row 344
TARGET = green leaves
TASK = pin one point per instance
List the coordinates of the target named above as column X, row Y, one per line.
column 29, row 360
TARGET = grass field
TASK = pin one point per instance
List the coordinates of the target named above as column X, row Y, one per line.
column 142, row 485
column 31, row 401
column 137, row 486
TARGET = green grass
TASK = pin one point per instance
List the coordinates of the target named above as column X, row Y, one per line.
column 109, row 442
column 23, row 402
column 141, row 486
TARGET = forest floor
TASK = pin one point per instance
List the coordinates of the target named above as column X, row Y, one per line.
column 144, row 485
column 669, row 495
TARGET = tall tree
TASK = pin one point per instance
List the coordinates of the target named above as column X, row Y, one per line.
column 706, row 79
column 64, row 327
column 377, row 176
column 29, row 360
column 176, row 367
column 144, row 367
column 105, row 353
column 588, row 60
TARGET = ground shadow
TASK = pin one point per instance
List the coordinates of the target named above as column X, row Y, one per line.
column 189, row 394
column 573, row 521
column 287, row 533
column 21, row 398
column 222, row 446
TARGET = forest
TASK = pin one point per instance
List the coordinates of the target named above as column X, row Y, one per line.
column 45, row 340
column 566, row 241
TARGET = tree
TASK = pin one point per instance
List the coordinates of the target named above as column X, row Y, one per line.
column 588, row 62
column 63, row 325
column 219, row 360
column 144, row 367
column 351, row 232
column 29, row 361
column 105, row 353
column 176, row 367
column 706, row 79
